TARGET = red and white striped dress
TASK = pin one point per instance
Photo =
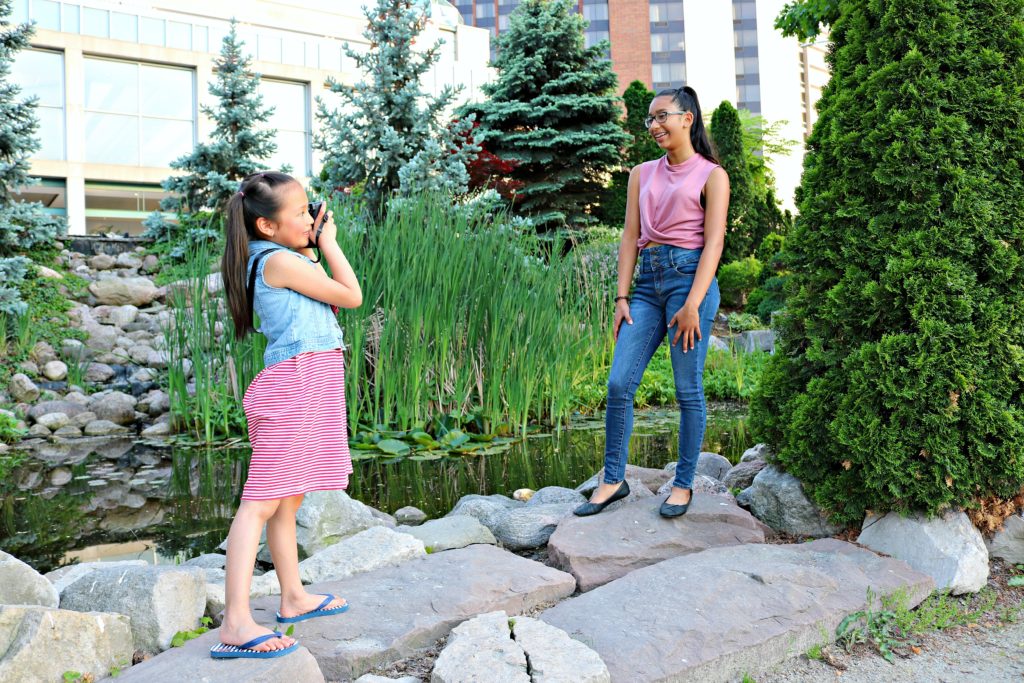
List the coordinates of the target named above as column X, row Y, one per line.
column 298, row 427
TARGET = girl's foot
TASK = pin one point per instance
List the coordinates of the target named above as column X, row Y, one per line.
column 679, row 496
column 306, row 602
column 247, row 632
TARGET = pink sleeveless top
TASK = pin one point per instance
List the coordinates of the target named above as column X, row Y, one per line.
column 670, row 210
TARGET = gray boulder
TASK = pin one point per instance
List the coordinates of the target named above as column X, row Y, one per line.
column 712, row 465
column 20, row 584
column 759, row 451
column 326, row 517
column 365, row 551
column 98, row 372
column 207, row 561
column 756, row 340
column 103, row 428
column 40, row 644
column 53, row 421
column 55, row 370
column 486, row 509
column 948, row 548
column 102, row 262
column 114, row 406
column 718, row 343
column 160, row 601
column 22, row 389
column 777, row 498
column 373, row 678
column 531, row 525
column 137, row 291
column 556, row 495
column 449, row 532
column 742, row 475
column 1008, row 542
column 702, row 484
column 410, row 515
column 554, row 656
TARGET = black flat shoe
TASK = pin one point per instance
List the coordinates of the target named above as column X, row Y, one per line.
column 671, row 511
column 593, row 508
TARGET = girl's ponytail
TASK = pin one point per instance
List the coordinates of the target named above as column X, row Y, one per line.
column 257, row 197
column 233, row 265
column 698, row 134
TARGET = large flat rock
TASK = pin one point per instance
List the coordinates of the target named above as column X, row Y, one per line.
column 193, row 663
column 609, row 545
column 725, row 612
column 399, row 610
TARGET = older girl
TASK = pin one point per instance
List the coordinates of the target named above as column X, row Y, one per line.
column 675, row 224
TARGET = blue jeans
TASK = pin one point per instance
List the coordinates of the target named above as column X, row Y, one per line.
column 662, row 285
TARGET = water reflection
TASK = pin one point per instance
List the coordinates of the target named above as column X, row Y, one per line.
column 91, row 498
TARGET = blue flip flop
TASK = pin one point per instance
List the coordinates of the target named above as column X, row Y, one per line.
column 245, row 651
column 313, row 613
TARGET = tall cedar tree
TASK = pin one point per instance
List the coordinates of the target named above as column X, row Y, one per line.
column 237, row 147
column 553, row 108
column 743, row 233
column 899, row 382
column 23, row 225
column 641, row 148
column 385, row 128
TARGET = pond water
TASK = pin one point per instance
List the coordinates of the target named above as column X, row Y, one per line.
column 104, row 499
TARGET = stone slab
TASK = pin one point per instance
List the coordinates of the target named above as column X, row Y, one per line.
column 725, row 612
column 609, row 545
column 399, row 610
column 193, row 663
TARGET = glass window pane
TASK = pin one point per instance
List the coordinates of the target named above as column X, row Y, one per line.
column 312, row 55
column 166, row 92
column 151, row 31
column 19, row 14
column 484, row 9
column 111, row 139
column 51, row 133
column 595, row 12
column 288, row 101
column 46, row 14
column 269, row 48
column 124, row 27
column 111, row 86
column 217, row 34
column 291, row 150
column 71, row 18
column 95, row 22
column 179, row 35
column 164, row 141
column 41, row 74
column 200, row 39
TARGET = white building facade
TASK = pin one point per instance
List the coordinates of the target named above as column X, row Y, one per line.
column 120, row 87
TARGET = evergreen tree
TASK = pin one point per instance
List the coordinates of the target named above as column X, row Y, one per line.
column 898, row 383
column 553, row 109
column 386, row 132
column 806, row 19
column 23, row 225
column 742, row 233
column 637, row 100
column 213, row 170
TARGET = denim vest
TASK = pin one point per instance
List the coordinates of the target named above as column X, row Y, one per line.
column 293, row 323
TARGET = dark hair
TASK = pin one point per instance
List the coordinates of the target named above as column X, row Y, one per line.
column 257, row 197
column 686, row 98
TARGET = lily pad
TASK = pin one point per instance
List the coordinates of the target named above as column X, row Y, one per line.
column 393, row 446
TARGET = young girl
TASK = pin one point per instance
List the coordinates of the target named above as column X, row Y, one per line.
column 675, row 220
column 295, row 407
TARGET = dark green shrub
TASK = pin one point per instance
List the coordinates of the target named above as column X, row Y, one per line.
column 768, row 297
column 898, row 381
column 737, row 279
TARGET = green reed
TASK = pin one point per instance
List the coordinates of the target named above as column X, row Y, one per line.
column 221, row 368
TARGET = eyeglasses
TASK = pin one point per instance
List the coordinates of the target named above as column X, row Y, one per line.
column 661, row 117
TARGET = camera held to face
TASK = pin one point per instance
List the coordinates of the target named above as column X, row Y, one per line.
column 314, row 210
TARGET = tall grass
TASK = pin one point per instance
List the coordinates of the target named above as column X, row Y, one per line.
column 461, row 314
column 207, row 373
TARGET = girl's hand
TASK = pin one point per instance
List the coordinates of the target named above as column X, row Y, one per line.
column 621, row 313
column 328, row 232
column 687, row 324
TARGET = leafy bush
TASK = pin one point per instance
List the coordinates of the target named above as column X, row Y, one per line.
column 898, row 382
column 737, row 279
column 769, row 297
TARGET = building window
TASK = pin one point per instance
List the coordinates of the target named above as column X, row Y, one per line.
column 41, row 74
column 484, row 10
column 592, row 38
column 179, row 35
column 46, row 14
column 670, row 75
column 745, row 38
column 96, row 22
column 666, row 11
column 290, row 120
column 137, row 114
column 124, row 27
column 595, row 12
column 667, row 42
column 743, row 10
column 119, row 207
